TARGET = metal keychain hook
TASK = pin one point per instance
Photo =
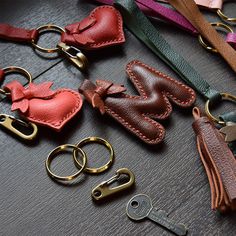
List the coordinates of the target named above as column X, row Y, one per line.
column 102, row 190
column 77, row 57
column 7, row 122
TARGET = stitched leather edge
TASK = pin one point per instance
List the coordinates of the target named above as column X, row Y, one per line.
column 186, row 103
column 147, row 116
column 121, row 37
column 136, row 131
column 69, row 115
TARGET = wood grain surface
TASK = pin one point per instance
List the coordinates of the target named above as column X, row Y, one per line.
column 171, row 173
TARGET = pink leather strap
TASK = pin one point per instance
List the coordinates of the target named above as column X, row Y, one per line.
column 17, row 34
column 231, row 39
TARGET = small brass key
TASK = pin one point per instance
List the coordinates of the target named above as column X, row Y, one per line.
column 140, row 207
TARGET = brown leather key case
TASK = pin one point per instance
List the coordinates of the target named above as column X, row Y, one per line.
column 138, row 113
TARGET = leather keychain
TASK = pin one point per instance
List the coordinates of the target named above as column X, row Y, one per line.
column 142, row 28
column 37, row 103
column 156, row 91
column 155, row 10
column 102, row 28
column 219, row 163
column 14, row 125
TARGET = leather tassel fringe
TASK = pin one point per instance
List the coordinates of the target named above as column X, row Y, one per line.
column 219, row 163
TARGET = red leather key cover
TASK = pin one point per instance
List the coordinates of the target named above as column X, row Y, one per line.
column 40, row 105
column 102, row 28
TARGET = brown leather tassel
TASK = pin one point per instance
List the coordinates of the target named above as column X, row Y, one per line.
column 219, row 163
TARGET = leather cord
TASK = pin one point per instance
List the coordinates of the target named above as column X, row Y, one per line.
column 142, row 28
column 189, row 9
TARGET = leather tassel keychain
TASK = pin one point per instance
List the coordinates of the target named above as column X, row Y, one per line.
column 102, row 28
column 138, row 113
column 219, row 163
column 39, row 104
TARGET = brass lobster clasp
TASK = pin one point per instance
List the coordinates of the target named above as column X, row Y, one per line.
column 8, row 122
column 103, row 190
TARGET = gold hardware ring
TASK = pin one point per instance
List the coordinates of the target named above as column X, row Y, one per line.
column 16, row 69
column 59, row 149
column 224, row 96
column 43, row 29
column 224, row 17
column 215, row 24
column 99, row 141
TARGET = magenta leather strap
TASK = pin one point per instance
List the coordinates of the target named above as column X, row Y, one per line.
column 156, row 10
column 231, row 39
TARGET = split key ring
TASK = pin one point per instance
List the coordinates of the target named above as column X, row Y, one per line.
column 76, row 149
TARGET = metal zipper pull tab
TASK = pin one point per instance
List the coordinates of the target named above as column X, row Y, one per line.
column 103, row 190
column 74, row 55
column 229, row 131
column 9, row 121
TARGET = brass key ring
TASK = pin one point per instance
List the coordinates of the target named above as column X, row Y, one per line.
column 99, row 141
column 225, row 97
column 224, row 17
column 59, row 149
column 73, row 53
column 47, row 28
column 216, row 24
column 15, row 69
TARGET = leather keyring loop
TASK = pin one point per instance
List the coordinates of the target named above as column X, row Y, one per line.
column 15, row 69
column 59, row 149
column 215, row 24
column 99, row 141
column 224, row 97
column 43, row 29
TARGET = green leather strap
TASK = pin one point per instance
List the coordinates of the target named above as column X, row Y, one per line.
column 229, row 117
column 142, row 28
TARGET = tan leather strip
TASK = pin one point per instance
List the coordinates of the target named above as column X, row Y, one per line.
column 210, row 4
column 190, row 10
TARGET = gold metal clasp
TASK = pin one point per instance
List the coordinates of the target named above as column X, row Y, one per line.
column 8, row 122
column 74, row 55
column 103, row 190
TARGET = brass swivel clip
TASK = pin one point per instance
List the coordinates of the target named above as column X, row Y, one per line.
column 74, row 55
column 103, row 190
column 8, row 122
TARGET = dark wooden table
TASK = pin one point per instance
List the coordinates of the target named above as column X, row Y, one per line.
column 171, row 173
